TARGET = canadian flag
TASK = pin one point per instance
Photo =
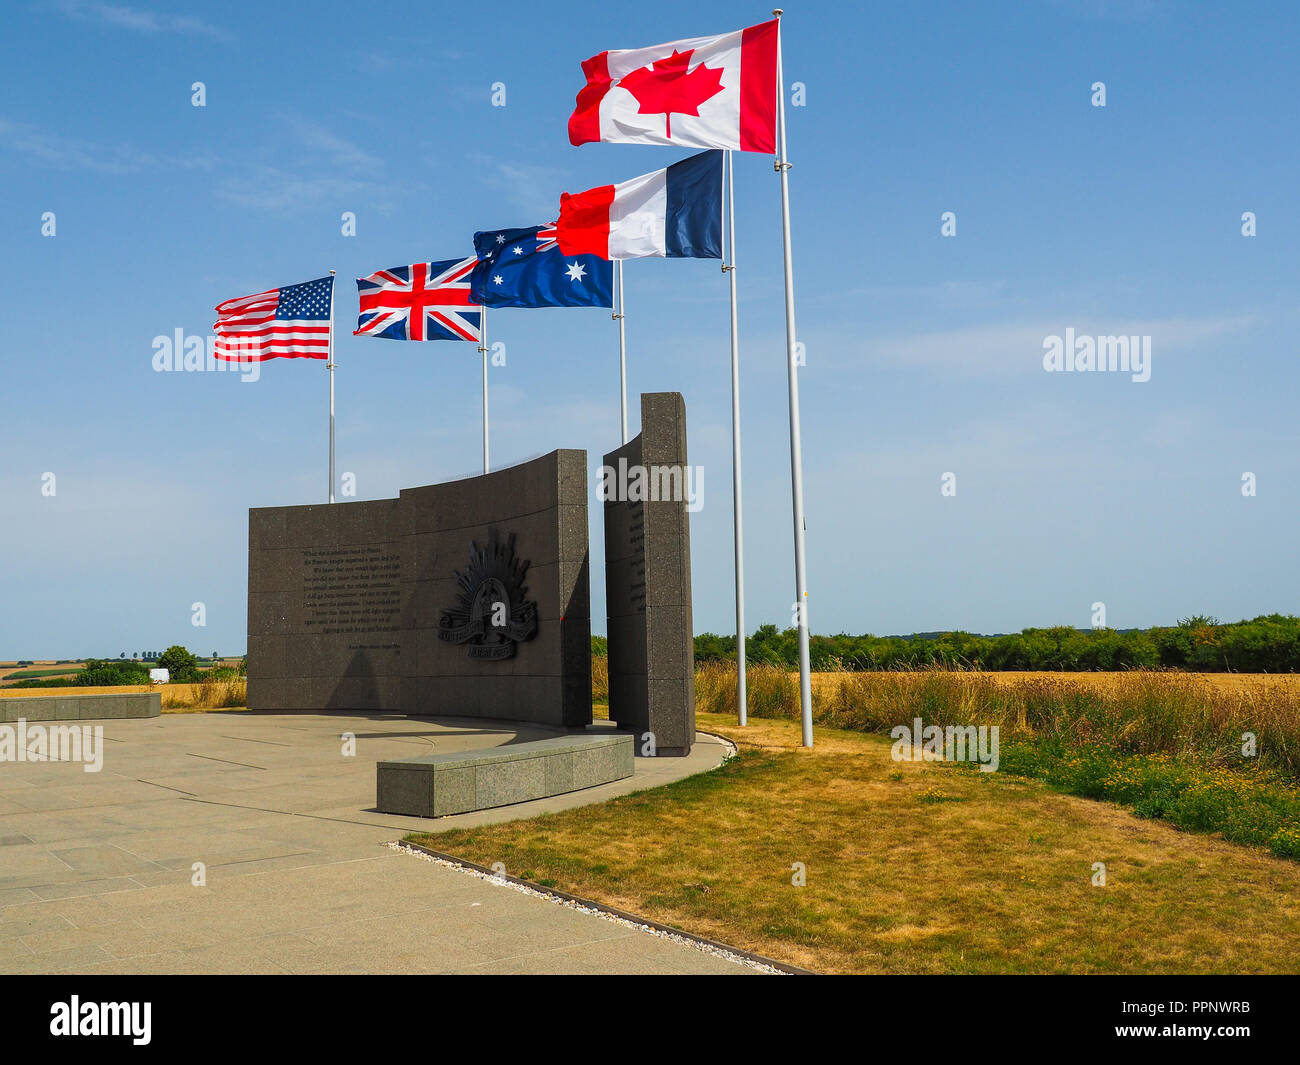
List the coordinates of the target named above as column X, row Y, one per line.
column 673, row 213
column 705, row 92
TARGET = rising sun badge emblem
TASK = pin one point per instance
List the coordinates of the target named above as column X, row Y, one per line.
column 491, row 613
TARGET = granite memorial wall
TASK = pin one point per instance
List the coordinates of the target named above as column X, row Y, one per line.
column 471, row 598
column 468, row 598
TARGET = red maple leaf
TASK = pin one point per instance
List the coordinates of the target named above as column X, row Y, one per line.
column 666, row 86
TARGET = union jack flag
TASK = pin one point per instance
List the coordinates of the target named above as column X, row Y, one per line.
column 424, row 301
column 546, row 237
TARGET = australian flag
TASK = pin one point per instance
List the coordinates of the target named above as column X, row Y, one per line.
column 525, row 268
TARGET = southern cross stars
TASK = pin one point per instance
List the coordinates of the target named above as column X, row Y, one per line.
column 517, row 250
column 497, row 280
column 576, row 271
column 501, row 238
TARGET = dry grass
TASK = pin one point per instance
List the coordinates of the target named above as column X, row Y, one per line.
column 23, row 693
column 1142, row 712
column 1099, row 680
column 911, row 867
column 1200, row 717
column 770, row 691
column 206, row 695
column 599, row 679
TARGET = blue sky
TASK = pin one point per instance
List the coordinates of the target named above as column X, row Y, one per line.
column 924, row 352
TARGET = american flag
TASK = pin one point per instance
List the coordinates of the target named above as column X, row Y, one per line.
column 281, row 323
column 423, row 301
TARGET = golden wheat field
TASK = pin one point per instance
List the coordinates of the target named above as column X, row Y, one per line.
column 1206, row 715
column 1166, row 702
column 209, row 695
column 23, row 693
column 1228, row 682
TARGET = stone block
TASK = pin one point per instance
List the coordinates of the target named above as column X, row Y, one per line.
column 404, row 790
column 454, row 790
column 441, row 784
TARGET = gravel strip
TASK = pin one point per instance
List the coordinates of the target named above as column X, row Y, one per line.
column 595, row 911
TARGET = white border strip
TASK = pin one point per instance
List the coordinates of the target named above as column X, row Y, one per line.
column 540, row 893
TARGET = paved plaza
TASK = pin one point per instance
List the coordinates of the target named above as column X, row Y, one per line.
column 96, row 868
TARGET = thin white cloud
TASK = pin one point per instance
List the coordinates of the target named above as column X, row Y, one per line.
column 943, row 293
column 533, row 190
column 39, row 147
column 268, row 188
column 139, row 20
column 337, row 150
column 70, row 153
column 372, row 62
column 982, row 350
column 333, row 171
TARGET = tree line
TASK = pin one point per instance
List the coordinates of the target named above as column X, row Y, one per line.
column 1200, row 644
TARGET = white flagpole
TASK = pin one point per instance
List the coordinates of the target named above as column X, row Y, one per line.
column 483, row 351
column 622, row 345
column 737, row 518
column 796, row 446
column 329, row 362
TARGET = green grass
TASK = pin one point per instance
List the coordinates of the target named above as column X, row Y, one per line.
column 1245, row 805
column 32, row 674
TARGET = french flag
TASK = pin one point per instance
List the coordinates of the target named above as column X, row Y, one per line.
column 675, row 213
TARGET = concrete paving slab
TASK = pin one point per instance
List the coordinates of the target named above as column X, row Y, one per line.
column 95, row 868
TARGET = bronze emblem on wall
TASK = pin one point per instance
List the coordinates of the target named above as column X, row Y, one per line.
column 491, row 613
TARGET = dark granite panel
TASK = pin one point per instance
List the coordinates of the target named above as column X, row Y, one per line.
column 647, row 580
column 346, row 601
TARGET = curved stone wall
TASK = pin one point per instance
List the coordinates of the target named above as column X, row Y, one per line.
column 468, row 598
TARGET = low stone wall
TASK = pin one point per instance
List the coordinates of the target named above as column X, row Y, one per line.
column 80, row 707
column 435, row 785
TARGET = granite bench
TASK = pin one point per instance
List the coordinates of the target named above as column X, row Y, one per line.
column 107, row 707
column 435, row 785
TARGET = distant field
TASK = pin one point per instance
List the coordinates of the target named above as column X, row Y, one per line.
column 11, row 673
column 32, row 674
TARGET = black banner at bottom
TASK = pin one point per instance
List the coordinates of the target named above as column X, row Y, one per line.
column 326, row 1013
